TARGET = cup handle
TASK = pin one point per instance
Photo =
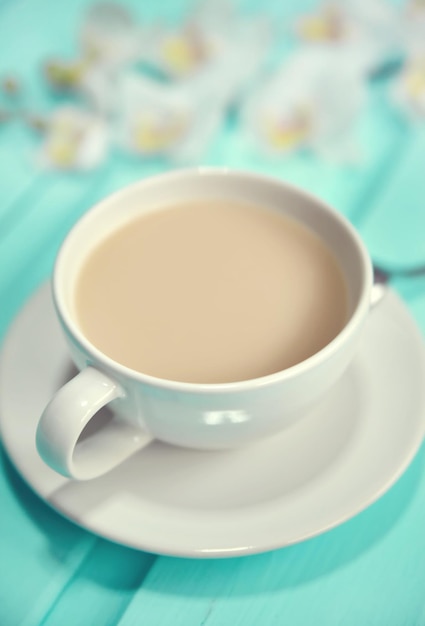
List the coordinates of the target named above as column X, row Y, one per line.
column 66, row 416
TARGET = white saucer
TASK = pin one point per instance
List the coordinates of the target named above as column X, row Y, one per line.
column 339, row 459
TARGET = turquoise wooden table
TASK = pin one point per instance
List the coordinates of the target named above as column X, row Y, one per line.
column 371, row 569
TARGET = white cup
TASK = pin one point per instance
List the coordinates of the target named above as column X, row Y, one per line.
column 206, row 416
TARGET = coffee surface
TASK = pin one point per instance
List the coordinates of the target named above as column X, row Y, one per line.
column 211, row 292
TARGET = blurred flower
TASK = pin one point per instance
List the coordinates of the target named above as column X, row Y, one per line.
column 110, row 40
column 183, row 52
column 366, row 31
column 289, row 130
column 65, row 75
column 36, row 122
column 110, row 35
column 408, row 91
column 11, row 86
column 216, row 39
column 179, row 52
column 311, row 102
column 413, row 25
column 329, row 24
column 75, row 139
column 171, row 120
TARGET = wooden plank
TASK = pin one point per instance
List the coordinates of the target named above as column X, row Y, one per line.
column 40, row 551
column 395, row 229
column 102, row 588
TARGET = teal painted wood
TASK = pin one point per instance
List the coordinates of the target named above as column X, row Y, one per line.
column 369, row 571
column 39, row 552
column 395, row 229
column 103, row 587
column 51, row 570
column 18, row 173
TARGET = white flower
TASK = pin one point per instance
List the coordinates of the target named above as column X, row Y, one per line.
column 408, row 92
column 311, row 102
column 181, row 51
column 367, row 31
column 75, row 140
column 172, row 120
column 110, row 35
column 215, row 40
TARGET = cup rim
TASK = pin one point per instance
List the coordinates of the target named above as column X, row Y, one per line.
column 357, row 316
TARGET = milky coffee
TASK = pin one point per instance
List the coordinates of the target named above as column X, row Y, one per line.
column 211, row 292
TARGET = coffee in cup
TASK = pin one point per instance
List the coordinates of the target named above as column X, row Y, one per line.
column 211, row 291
